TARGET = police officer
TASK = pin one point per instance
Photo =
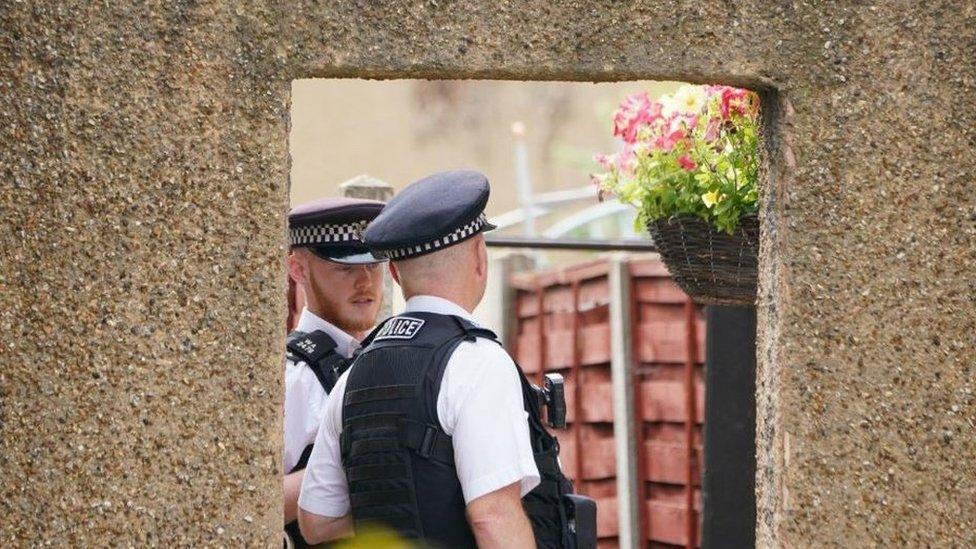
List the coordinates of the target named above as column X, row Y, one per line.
column 435, row 432
column 342, row 282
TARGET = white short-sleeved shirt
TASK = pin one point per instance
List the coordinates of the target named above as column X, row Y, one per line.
column 480, row 406
column 304, row 396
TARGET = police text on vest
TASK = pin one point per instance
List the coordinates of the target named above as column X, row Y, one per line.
column 400, row 327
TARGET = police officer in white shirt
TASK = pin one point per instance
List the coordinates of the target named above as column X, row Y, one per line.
column 342, row 282
column 435, row 432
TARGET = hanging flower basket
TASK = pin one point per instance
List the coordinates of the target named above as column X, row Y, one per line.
column 689, row 164
column 711, row 266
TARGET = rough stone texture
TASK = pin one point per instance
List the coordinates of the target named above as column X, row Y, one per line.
column 143, row 176
column 142, row 192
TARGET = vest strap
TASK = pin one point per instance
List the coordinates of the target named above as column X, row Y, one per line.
column 427, row 440
column 377, row 472
column 547, row 489
column 318, row 350
column 303, row 459
column 472, row 332
column 380, row 497
column 379, row 513
column 368, row 446
column 292, row 532
column 329, row 369
column 373, row 394
column 376, row 420
column 310, row 347
column 547, row 463
column 542, row 510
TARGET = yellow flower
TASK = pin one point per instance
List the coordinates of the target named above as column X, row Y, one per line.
column 710, row 199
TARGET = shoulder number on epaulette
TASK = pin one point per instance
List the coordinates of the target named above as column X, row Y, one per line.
column 307, row 345
column 401, row 327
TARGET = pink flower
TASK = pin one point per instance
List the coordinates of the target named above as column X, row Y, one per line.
column 635, row 111
column 713, row 90
column 712, row 129
column 624, row 161
column 607, row 161
column 734, row 100
column 686, row 162
column 677, row 129
column 627, row 160
column 669, row 139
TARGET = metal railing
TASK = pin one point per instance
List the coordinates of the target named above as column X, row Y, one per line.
column 609, row 245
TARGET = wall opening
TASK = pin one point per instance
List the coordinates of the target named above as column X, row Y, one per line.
column 536, row 141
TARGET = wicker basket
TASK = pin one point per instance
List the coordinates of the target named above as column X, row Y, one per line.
column 711, row 266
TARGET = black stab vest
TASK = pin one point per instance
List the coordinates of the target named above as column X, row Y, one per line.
column 318, row 351
column 399, row 462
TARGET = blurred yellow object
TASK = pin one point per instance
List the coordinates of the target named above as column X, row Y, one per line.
column 376, row 537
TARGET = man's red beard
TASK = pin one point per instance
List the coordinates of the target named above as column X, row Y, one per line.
column 340, row 312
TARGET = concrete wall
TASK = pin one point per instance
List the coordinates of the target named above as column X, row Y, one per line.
column 143, row 180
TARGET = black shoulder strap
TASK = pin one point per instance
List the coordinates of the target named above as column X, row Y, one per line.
column 310, row 347
column 303, row 459
column 318, row 350
column 291, row 529
column 472, row 332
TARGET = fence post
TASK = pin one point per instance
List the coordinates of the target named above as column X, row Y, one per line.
column 729, row 479
column 625, row 431
column 500, row 295
column 364, row 186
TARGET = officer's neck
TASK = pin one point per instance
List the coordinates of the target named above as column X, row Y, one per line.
column 467, row 302
column 357, row 335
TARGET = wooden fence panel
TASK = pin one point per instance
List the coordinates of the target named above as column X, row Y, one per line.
column 564, row 326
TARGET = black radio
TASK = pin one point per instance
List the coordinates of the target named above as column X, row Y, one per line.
column 552, row 396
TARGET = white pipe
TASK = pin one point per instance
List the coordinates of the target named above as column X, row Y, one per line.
column 522, row 178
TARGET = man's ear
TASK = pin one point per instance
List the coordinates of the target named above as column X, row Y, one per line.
column 481, row 256
column 297, row 266
column 394, row 273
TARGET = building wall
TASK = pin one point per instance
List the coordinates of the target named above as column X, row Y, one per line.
column 402, row 130
column 144, row 176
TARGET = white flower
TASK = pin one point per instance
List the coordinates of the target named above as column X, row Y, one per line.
column 688, row 99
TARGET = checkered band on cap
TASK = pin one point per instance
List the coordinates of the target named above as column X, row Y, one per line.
column 453, row 237
column 311, row 235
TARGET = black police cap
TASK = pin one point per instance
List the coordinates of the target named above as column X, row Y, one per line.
column 433, row 213
column 331, row 228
